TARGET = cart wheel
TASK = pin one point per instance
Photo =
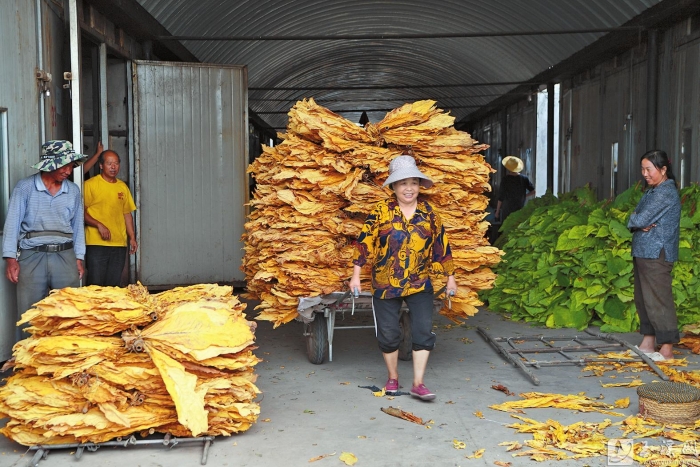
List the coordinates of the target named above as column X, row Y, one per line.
column 316, row 339
column 406, row 346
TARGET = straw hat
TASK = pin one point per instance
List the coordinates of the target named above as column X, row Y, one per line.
column 514, row 164
column 404, row 166
column 56, row 154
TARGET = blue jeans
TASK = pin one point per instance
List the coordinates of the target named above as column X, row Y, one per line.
column 40, row 273
column 105, row 265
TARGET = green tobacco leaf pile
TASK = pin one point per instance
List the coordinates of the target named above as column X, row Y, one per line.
column 568, row 262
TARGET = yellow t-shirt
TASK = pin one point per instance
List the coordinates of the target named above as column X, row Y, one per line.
column 107, row 202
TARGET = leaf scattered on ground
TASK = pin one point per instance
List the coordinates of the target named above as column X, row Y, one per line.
column 512, row 445
column 348, row 457
column 622, row 403
column 578, row 402
column 402, row 414
column 322, row 456
column 502, row 388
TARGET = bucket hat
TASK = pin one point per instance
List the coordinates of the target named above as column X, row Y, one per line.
column 514, row 164
column 56, row 154
column 404, row 166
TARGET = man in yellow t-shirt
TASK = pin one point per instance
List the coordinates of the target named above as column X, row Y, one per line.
column 109, row 226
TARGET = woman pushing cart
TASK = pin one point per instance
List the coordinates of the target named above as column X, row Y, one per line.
column 404, row 235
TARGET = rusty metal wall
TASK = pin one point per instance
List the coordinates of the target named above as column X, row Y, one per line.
column 191, row 185
column 489, row 132
column 521, row 134
column 19, row 92
column 679, row 100
column 19, row 95
column 56, row 53
column 607, row 105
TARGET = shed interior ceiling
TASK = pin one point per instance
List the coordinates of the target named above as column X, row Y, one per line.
column 292, row 49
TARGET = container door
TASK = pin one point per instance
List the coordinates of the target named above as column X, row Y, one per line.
column 190, row 158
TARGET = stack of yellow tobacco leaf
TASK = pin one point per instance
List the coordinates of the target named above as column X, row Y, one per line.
column 105, row 362
column 314, row 190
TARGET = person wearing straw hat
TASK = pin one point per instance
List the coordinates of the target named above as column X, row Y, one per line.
column 43, row 237
column 514, row 188
column 404, row 236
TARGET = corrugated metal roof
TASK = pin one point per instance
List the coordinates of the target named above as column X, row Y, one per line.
column 397, row 70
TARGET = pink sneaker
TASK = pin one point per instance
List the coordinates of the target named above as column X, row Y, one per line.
column 422, row 393
column 391, row 386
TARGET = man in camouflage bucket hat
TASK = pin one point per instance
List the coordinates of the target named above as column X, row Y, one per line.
column 57, row 154
column 43, row 238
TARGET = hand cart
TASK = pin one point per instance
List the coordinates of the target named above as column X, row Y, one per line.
column 319, row 317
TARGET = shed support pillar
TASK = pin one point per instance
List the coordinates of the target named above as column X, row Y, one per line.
column 652, row 87
column 550, row 138
column 504, row 134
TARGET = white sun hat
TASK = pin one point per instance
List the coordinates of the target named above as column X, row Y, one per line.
column 404, row 166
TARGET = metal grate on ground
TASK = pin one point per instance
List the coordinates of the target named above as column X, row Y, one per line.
column 565, row 350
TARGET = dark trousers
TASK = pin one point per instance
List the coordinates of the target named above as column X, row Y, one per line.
column 653, row 297
column 420, row 310
column 105, row 265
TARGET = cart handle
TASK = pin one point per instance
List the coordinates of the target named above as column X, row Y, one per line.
column 448, row 295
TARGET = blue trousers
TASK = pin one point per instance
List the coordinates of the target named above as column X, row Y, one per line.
column 40, row 273
column 387, row 314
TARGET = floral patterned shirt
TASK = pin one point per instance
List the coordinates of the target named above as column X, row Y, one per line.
column 403, row 250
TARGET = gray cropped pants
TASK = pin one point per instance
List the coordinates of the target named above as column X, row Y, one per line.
column 39, row 273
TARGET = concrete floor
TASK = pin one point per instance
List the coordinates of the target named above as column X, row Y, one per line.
column 310, row 410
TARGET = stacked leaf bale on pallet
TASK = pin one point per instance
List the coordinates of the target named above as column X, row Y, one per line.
column 314, row 190
column 107, row 362
column 568, row 262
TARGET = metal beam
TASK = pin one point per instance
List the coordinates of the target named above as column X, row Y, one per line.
column 387, row 109
column 370, row 99
column 40, row 66
column 378, row 87
column 379, row 37
column 76, row 120
column 652, row 87
column 550, row 137
column 504, row 137
column 103, row 120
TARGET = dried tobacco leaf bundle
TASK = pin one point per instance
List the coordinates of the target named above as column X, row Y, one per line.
column 314, row 190
column 188, row 373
